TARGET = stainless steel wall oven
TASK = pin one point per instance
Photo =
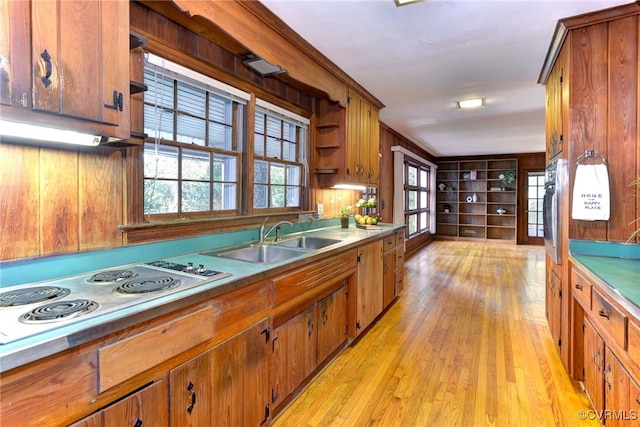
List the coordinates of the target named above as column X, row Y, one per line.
column 554, row 176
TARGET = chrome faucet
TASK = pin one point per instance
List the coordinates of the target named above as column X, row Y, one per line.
column 275, row 227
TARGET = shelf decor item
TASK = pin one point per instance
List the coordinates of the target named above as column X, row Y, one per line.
column 344, row 216
column 508, row 177
column 501, row 211
column 474, row 198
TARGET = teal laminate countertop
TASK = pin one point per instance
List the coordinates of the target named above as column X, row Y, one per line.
column 616, row 265
column 23, row 351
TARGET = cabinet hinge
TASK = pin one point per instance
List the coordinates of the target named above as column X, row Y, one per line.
column 267, row 412
column 561, row 137
column 358, row 259
column 348, row 100
column 560, row 342
column 357, row 325
column 584, row 328
column 560, row 78
column 559, row 294
column 274, row 396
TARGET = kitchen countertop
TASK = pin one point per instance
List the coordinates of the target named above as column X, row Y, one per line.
column 616, row 266
column 21, row 352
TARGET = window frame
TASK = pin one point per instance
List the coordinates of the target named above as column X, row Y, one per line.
column 420, row 212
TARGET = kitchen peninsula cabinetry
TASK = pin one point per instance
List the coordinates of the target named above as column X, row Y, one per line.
column 393, row 267
column 477, row 199
column 55, row 69
column 610, row 350
column 347, row 143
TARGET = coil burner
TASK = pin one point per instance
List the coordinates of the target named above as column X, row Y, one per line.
column 32, row 295
column 111, row 276
column 146, row 285
column 59, row 310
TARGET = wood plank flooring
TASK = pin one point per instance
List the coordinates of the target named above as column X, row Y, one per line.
column 466, row 344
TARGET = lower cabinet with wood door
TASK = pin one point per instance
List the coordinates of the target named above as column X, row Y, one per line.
column 370, row 292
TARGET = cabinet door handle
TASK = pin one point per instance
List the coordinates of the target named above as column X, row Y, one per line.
column 117, row 101
column 138, row 423
column 578, row 286
column 607, row 374
column 190, row 388
column 267, row 412
column 310, row 326
column 325, row 317
column 596, row 359
column 604, row 314
column 46, row 81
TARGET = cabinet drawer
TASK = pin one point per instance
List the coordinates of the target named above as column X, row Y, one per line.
column 610, row 318
column 399, row 257
column 581, row 289
column 400, row 239
column 389, row 243
column 131, row 356
column 633, row 345
column 297, row 283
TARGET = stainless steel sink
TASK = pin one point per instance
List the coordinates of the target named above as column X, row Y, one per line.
column 308, row 242
column 263, row 254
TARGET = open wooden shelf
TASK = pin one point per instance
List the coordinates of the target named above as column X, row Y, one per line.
column 468, row 220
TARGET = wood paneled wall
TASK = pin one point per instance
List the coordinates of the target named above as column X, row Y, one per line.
column 56, row 201
column 604, row 97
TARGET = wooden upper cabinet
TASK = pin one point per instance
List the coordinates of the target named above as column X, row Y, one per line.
column 74, row 62
column 347, row 143
column 554, row 108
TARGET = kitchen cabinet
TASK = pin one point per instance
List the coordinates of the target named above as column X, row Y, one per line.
column 56, row 75
column 393, row 267
column 370, row 295
column 148, row 406
column 594, row 365
column 553, row 305
column 477, row 199
column 306, row 340
column 347, row 148
column 240, row 381
column 332, row 323
column 555, row 107
column 191, row 391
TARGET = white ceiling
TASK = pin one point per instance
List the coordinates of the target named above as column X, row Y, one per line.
column 420, row 59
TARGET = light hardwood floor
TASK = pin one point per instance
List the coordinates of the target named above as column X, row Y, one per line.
column 466, row 344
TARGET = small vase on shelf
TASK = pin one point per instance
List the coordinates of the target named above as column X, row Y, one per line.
column 474, row 197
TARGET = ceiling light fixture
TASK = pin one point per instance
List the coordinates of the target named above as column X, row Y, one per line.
column 261, row 66
column 471, row 103
column 29, row 132
column 405, row 2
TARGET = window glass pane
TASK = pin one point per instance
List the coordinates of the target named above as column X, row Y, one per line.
column 532, row 217
column 423, row 221
column 294, row 174
column 220, row 110
column 160, row 164
column 533, row 203
column 273, row 126
column 160, row 196
column 289, row 151
column 196, row 165
column 260, row 193
column 259, row 122
column 260, row 174
column 533, row 192
column 423, row 199
column 533, row 181
column 413, row 200
column 293, row 196
column 258, row 144
column 195, row 196
column 224, row 196
column 424, row 181
column 225, row 168
column 277, row 173
column 277, row 196
column 273, row 148
column 191, row 99
column 158, row 123
column 190, row 130
column 159, row 89
column 412, row 223
column 289, row 131
column 413, row 175
column 220, row 136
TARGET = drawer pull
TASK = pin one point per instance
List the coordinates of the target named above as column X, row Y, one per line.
column 578, row 286
column 604, row 314
column 190, row 388
column 638, row 400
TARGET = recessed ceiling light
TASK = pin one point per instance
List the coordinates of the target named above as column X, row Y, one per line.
column 471, row 103
column 405, row 2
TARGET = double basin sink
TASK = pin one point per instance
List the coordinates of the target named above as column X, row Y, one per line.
column 276, row 252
